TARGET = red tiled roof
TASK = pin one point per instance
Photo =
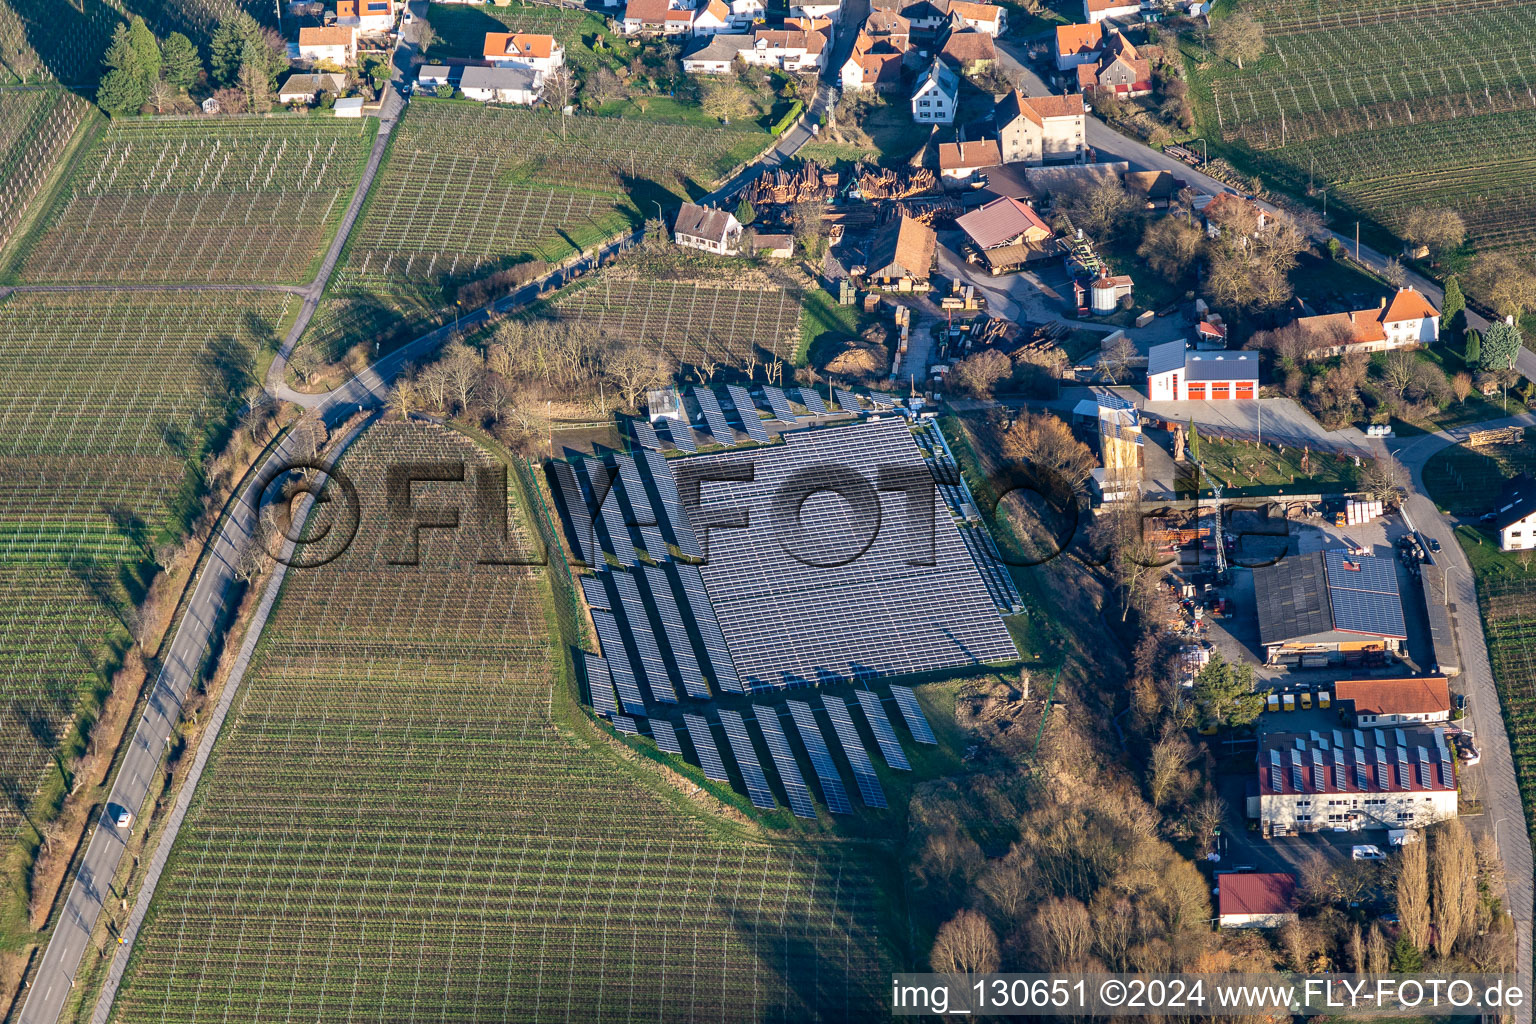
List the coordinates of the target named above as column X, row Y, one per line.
column 878, row 68
column 1427, row 696
column 1099, row 6
column 977, row 153
column 1078, row 38
column 517, row 44
column 999, row 221
column 974, row 12
column 332, row 36
column 969, row 46
column 655, row 11
column 1057, row 106
column 1408, row 304
column 1256, row 894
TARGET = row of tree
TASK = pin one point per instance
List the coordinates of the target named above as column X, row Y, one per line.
column 245, row 62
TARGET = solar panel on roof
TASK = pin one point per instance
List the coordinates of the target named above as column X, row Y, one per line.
column 1363, row 593
column 681, row 435
column 1447, row 773
column 1425, row 778
column 645, row 434
column 599, row 492
column 778, row 403
column 751, row 422
column 676, row 516
column 578, row 515
column 703, row 612
column 746, row 760
column 848, row 401
column 681, row 648
column 784, row 761
column 641, row 512
column 880, row 725
column 714, row 418
column 832, row 792
column 912, row 712
column 619, row 665
column 704, row 748
column 665, row 736
column 1340, row 772
column 599, row 684
column 812, row 401
column 644, row 638
column 594, row 591
column 626, row 725
column 853, row 748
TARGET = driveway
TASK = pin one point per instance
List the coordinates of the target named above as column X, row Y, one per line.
column 1278, row 420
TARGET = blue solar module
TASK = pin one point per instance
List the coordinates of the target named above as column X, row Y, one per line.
column 714, row 418
column 709, row 627
column 751, row 422
column 672, row 506
column 912, row 711
column 644, row 638
column 641, row 513
column 848, row 401
column 578, row 514
column 665, row 736
column 596, row 593
column 884, row 401
column 660, row 588
column 746, row 760
column 626, row 725
column 619, row 665
column 681, row 435
column 645, row 434
column 832, row 791
column 784, row 760
column 885, row 736
column 1362, row 590
column 704, row 748
column 599, row 684
column 853, row 749
column 812, row 401
column 778, row 404
column 615, row 530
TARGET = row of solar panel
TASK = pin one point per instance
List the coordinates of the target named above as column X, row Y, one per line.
column 623, row 498
column 681, row 436
column 1320, row 773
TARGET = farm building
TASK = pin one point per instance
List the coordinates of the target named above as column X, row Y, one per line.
column 901, row 255
column 1095, row 11
column 539, row 53
column 1106, row 291
column 1259, row 900
column 1383, row 703
column 1515, row 514
column 933, row 100
column 1177, row 374
column 1004, row 222
column 1354, row 779
column 988, row 18
column 958, row 161
column 1158, row 188
column 304, row 88
column 1041, row 129
column 369, row 16
column 1328, row 606
column 502, row 85
column 777, row 246
column 334, row 43
column 433, row 76
column 704, row 227
column 1120, row 69
column 1408, row 320
column 1078, row 44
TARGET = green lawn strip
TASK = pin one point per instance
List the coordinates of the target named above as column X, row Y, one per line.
column 1247, row 469
column 461, row 31
column 824, row 325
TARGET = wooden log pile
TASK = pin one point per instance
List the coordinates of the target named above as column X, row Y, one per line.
column 784, row 187
column 904, row 183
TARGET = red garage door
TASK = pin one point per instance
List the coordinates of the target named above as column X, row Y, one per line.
column 1221, row 392
column 1245, row 389
column 1197, row 392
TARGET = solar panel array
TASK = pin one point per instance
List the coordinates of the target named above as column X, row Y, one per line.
column 681, row 435
column 641, row 513
column 660, row 590
column 800, row 801
column 994, row 574
column 884, row 401
column 596, row 593
column 747, row 412
column 778, row 403
column 645, row 434
column 812, row 401
column 672, row 511
column 709, row 628
column 848, row 401
column 644, row 638
column 704, row 747
column 600, row 483
column 665, row 736
column 626, row 725
column 578, row 516
column 912, row 711
column 619, row 665
column 714, row 418
column 1365, row 598
column 599, row 684
column 853, row 749
column 885, row 736
column 746, row 760
column 832, row 792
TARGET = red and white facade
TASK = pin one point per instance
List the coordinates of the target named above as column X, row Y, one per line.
column 1176, row 374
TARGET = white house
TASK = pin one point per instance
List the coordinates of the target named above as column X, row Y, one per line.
column 815, row 9
column 1259, row 900
column 745, row 12
column 348, row 106
column 1078, row 44
column 334, row 43
column 1389, row 703
column 710, row 18
column 371, row 17
column 799, row 46
column 1350, row 779
column 1515, row 514
column 303, row 88
column 1095, row 11
column 502, row 85
column 1177, row 374
column 433, row 76
column 718, row 55
column 1408, row 320
column 933, row 101
column 863, row 70
column 656, row 17
column 539, row 53
column 704, row 227
column 986, row 18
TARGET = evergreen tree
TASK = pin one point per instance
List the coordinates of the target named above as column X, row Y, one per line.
column 1224, row 693
column 254, row 81
column 1473, row 353
column 224, row 50
column 181, row 61
column 1194, row 443
column 1406, row 957
column 146, row 51
column 745, row 213
column 1453, row 314
column 124, row 88
column 1501, row 343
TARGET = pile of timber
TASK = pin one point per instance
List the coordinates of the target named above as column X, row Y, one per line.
column 784, row 187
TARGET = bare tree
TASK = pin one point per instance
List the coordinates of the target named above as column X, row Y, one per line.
column 1115, row 364
column 1239, row 38
column 1413, row 894
column 1435, row 228
column 1454, row 877
column 162, row 95
column 402, row 397
column 965, row 944
column 1166, row 777
column 1043, row 439
column 635, row 371
column 1063, row 933
column 1395, row 273
column 1461, row 386
column 1007, row 883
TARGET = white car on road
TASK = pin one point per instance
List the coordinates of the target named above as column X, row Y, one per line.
column 1368, row 852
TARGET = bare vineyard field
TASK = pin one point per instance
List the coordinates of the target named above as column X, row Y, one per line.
column 36, row 125
column 107, row 397
column 1509, row 614
column 1383, row 106
column 174, row 200
column 395, row 826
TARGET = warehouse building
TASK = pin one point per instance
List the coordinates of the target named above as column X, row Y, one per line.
column 1328, row 607
column 1259, row 900
column 1380, row 703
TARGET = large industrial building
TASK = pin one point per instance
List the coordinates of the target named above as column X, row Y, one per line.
column 1328, row 607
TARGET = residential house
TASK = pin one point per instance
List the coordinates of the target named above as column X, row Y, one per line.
column 1078, row 44
column 888, row 29
column 716, row 55
column 1095, row 11
column 972, row 52
column 830, row 10
column 796, row 46
column 1225, row 211
column 1328, row 607
column 745, row 12
column 1514, row 514
column 656, row 17
column 1389, row 703
column 432, row 77
column 1407, row 321
column 958, row 161
column 1041, row 129
column 1353, row 779
column 370, row 17
column 1157, row 188
column 870, row 68
column 1257, row 900
column 937, row 92
column 1120, row 69
column 986, row 18
column 539, row 53
column 922, row 15
column 704, row 227
column 1177, row 374
column 710, row 18
column 305, row 88
column 502, row 85
column 901, row 256
column 335, row 44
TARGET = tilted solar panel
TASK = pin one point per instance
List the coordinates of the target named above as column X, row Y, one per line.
column 703, row 613
column 885, row 736
column 644, row 638
column 595, row 593
column 883, row 401
column 578, row 515
column 832, row 791
column 599, row 684
column 784, row 760
column 619, row 665
column 751, row 422
column 626, row 725
column 614, row 530
column 812, row 401
column 681, row 435
column 853, row 749
column 912, row 711
column 746, row 760
column 714, row 417
column 645, row 434
column 848, row 401
column 665, row 736
column 704, row 747
column 681, row 648
column 778, row 404
column 676, row 516
column 640, row 511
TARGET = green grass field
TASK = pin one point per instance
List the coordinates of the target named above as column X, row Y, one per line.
column 461, row 30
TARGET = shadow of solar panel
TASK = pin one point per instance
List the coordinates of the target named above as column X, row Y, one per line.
column 614, row 531
column 619, row 665
column 681, row 435
column 659, row 589
column 645, row 434
column 853, row 749
column 714, row 417
column 665, row 737
column 832, row 791
column 626, row 725
column 599, row 684
column 746, row 760
column 638, row 505
column 703, row 613
column 799, row 797
column 778, row 404
column 912, row 712
column 675, row 517
column 638, row 628
column 812, row 401
column 578, row 519
column 848, row 401
column 704, row 748
column 885, row 736
column 747, row 412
